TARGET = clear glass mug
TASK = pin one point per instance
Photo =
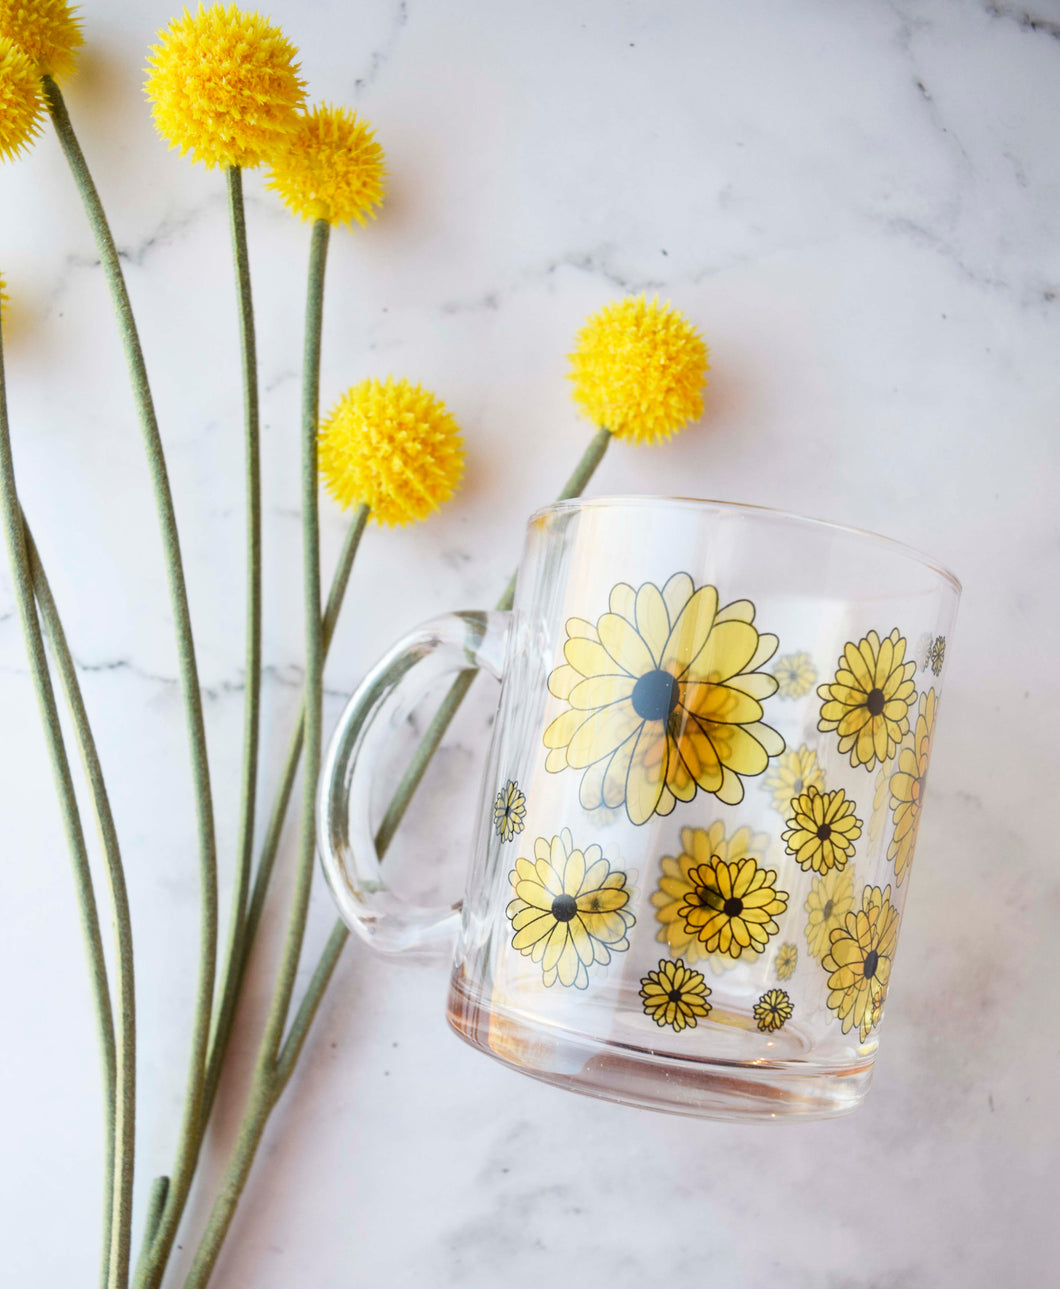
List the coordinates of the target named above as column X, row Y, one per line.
column 700, row 805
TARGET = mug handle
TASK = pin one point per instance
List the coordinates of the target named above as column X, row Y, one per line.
column 454, row 643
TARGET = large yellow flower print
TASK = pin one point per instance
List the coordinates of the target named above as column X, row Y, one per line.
column 791, row 775
column 664, row 697
column 698, row 845
column 732, row 906
column 822, row 829
column 868, row 702
column 830, row 899
column 569, row 910
column 859, row 961
column 907, row 787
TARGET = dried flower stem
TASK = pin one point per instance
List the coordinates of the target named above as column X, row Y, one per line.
column 264, row 1090
column 252, row 703
column 120, row 1196
column 268, row 1092
column 236, row 971
column 11, row 519
column 189, row 679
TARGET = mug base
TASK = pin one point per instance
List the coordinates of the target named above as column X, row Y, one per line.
column 748, row 1092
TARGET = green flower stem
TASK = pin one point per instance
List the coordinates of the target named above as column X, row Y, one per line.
column 269, row 1088
column 410, row 781
column 189, row 677
column 399, row 803
column 264, row 1090
column 125, row 1073
column 252, row 704
column 156, row 1201
column 235, row 972
column 11, row 519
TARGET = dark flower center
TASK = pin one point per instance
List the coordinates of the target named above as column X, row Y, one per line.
column 733, row 907
column 826, row 912
column 875, row 702
column 674, row 995
column 564, row 907
column 655, row 695
column 872, row 961
column 798, row 787
column 824, row 832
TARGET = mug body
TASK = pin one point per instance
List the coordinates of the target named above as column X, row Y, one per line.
column 701, row 806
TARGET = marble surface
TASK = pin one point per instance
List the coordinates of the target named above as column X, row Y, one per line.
column 857, row 204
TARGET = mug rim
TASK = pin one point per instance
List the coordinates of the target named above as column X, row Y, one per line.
column 766, row 512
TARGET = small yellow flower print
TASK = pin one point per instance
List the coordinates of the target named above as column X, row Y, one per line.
column 868, row 702
column 859, row 961
column 822, row 829
column 663, row 699
column 569, row 910
column 732, row 906
column 675, row 995
column 675, row 884
column 787, row 958
column 509, row 811
column 791, row 774
column 907, row 786
column 938, row 655
column 795, row 674
column 772, row 1010
column 830, row 899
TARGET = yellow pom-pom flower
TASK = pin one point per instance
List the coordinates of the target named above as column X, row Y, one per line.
column 639, row 369
column 21, row 105
column 224, row 86
column 47, row 32
column 330, row 167
column 393, row 446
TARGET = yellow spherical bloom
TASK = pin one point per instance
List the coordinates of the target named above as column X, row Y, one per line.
column 47, row 32
column 224, row 86
column 330, row 167
column 639, row 369
column 393, row 446
column 21, row 105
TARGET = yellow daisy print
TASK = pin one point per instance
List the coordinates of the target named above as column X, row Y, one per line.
column 787, row 958
column 664, row 698
column 509, row 811
column 868, row 702
column 772, row 1010
column 830, row 899
column 675, row 995
column 822, row 829
column 698, row 845
column 791, row 775
column 569, row 910
column 732, row 906
column 907, row 786
column 937, row 655
column 795, row 674
column 859, row 961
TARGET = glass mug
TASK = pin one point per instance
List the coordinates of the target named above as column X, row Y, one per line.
column 700, row 806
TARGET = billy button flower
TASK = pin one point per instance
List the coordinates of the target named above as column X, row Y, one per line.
column 47, row 31
column 330, row 167
column 393, row 447
column 224, row 86
column 639, row 369
column 21, row 105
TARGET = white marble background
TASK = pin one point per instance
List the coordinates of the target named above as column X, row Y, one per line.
column 857, row 203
